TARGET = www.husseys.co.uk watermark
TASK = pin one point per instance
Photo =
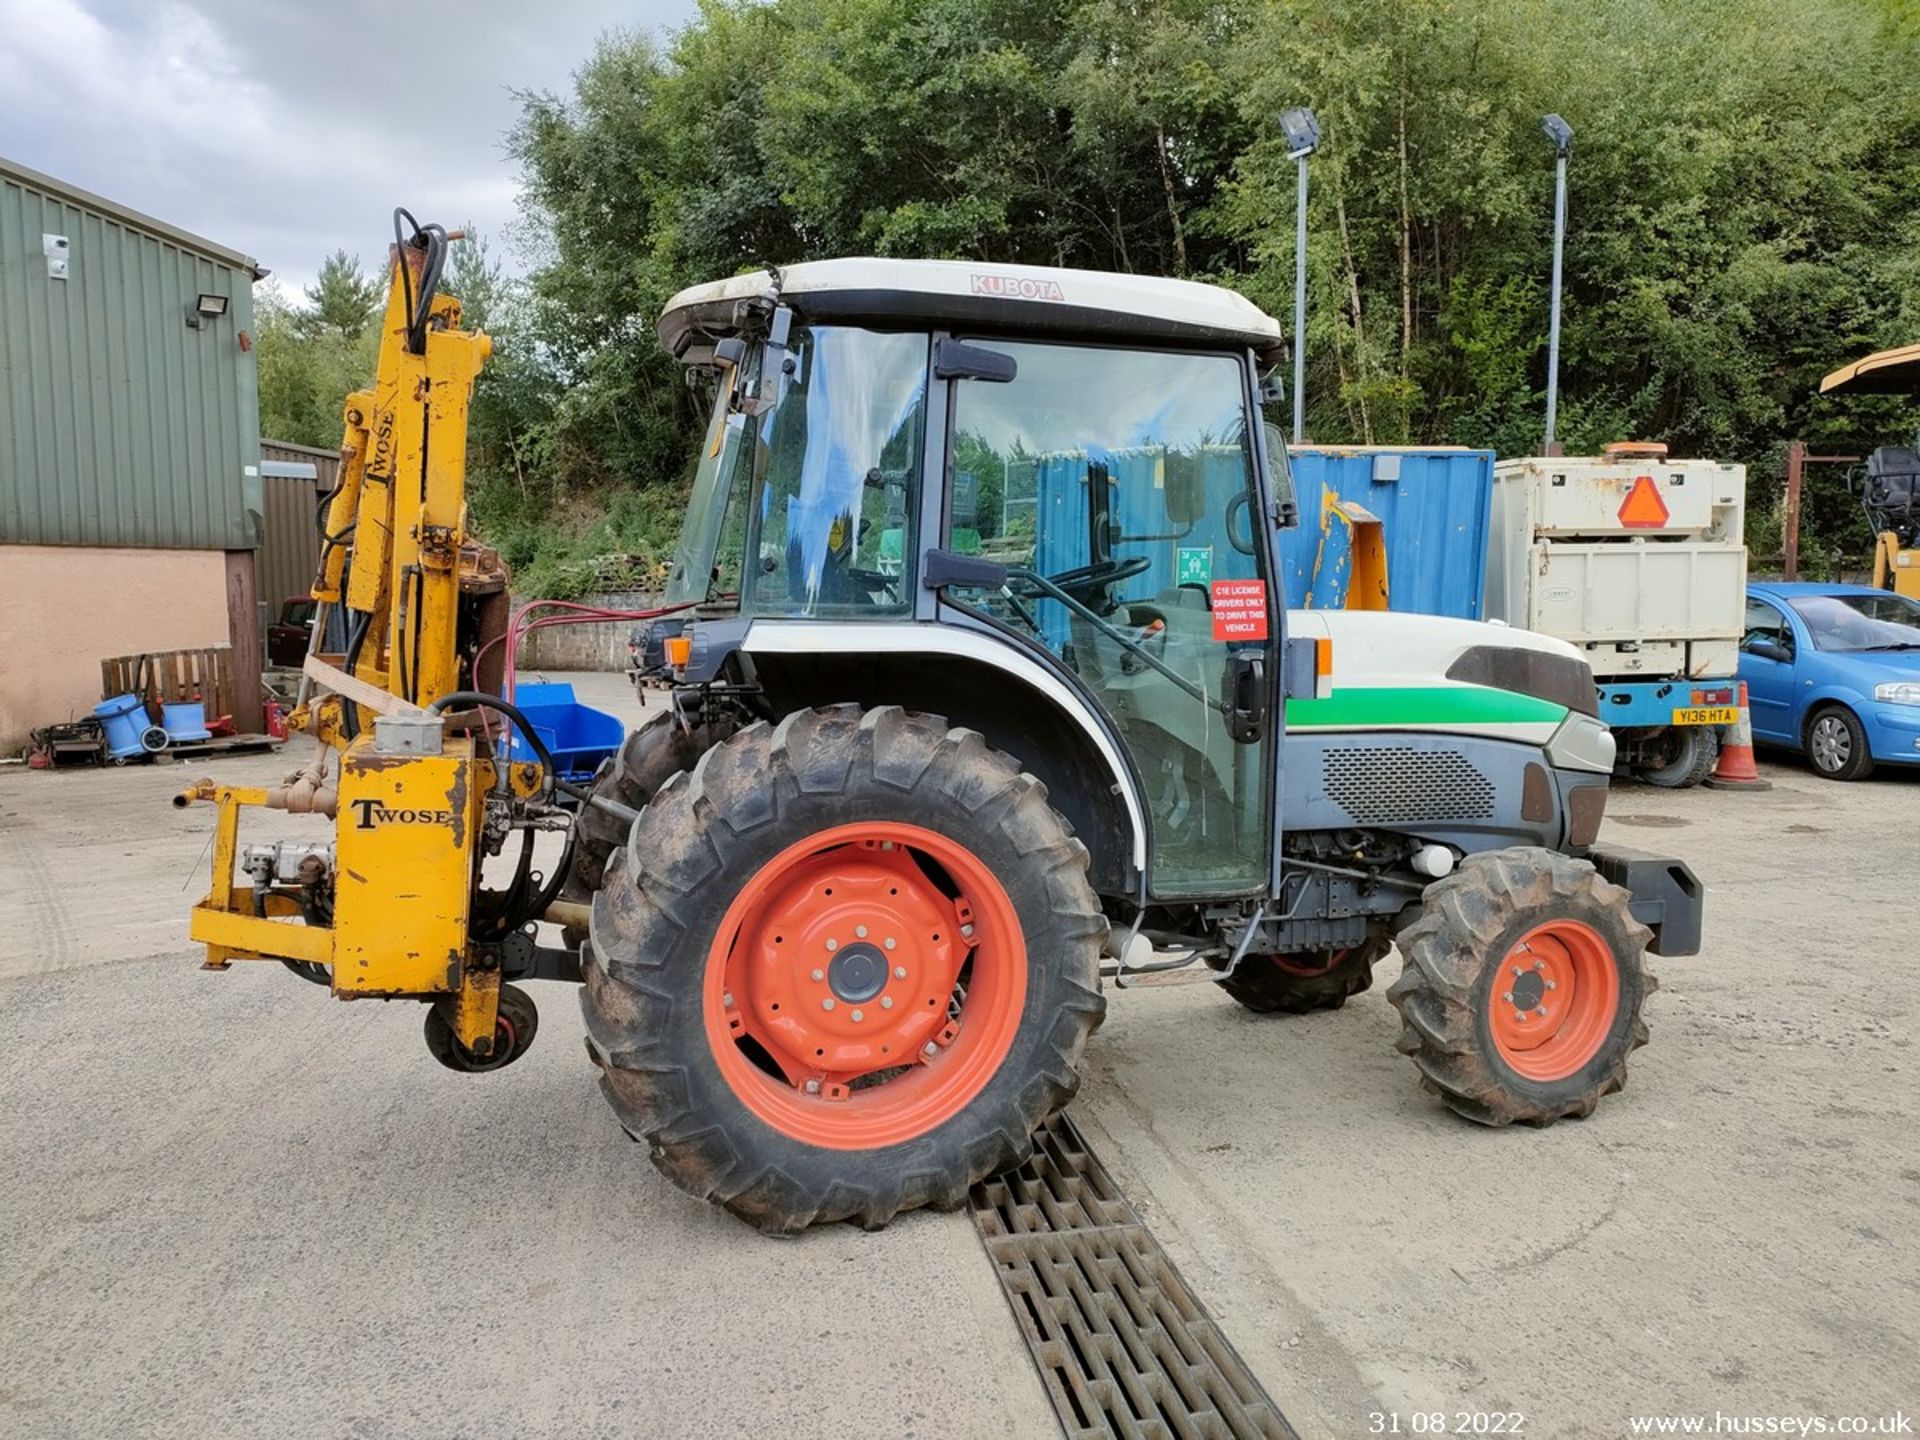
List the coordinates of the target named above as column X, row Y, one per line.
column 1722, row 1423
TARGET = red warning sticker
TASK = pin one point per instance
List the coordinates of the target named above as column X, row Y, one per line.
column 1239, row 609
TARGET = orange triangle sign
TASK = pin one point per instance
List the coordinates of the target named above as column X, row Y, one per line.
column 1643, row 509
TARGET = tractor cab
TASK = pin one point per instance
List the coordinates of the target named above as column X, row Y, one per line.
column 994, row 474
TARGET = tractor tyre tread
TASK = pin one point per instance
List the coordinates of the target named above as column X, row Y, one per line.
column 665, row 893
column 1266, row 989
column 1442, row 992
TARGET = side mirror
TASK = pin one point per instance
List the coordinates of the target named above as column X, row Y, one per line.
column 957, row 360
column 1770, row 650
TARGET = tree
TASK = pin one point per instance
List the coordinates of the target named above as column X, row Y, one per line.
column 342, row 300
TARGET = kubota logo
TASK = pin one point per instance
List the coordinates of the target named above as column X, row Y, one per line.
column 373, row 812
column 1017, row 287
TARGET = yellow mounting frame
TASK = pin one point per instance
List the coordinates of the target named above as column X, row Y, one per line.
column 405, row 825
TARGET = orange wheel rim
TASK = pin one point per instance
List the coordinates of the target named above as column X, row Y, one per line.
column 1554, row 1000
column 865, row 985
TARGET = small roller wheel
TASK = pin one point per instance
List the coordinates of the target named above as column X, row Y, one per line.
column 513, row 1033
column 1310, row 980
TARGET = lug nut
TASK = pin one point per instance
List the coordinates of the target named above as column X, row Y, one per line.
column 813, row 1087
column 819, row 974
column 1553, row 984
column 1508, row 997
column 827, row 1004
column 1517, row 971
column 861, row 931
column 858, row 1016
column 886, row 1002
column 1539, row 964
column 889, row 942
column 967, row 931
column 1541, row 1012
column 930, row 1049
column 727, row 999
column 835, row 945
column 1520, row 1015
column 899, row 971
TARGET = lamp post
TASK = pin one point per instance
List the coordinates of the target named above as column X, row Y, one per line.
column 1561, row 134
column 1302, row 132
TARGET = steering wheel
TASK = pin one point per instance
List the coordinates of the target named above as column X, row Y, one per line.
column 1086, row 580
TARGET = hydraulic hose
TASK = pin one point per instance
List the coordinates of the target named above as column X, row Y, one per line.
column 481, row 700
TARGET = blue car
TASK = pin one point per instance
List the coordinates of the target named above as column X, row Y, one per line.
column 1834, row 671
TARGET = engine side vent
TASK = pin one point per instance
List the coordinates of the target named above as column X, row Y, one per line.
column 1378, row 786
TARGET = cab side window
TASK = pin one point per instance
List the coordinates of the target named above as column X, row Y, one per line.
column 1764, row 623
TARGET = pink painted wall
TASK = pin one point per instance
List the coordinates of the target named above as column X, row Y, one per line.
column 65, row 608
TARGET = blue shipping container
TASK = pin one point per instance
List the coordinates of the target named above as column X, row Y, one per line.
column 1434, row 506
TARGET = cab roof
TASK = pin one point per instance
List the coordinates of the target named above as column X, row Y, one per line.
column 974, row 296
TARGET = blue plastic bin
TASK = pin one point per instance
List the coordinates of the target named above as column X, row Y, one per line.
column 579, row 736
column 123, row 718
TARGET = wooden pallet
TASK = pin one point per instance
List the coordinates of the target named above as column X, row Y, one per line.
column 169, row 677
column 219, row 745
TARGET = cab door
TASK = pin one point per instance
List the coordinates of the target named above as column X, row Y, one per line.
column 1117, row 488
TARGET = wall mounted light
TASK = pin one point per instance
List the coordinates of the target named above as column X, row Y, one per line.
column 205, row 307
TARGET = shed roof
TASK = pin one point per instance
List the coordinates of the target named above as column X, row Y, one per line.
column 133, row 219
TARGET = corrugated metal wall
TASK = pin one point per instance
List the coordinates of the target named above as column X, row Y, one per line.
column 289, row 544
column 120, row 425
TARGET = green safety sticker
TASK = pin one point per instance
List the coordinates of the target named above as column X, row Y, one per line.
column 1195, row 565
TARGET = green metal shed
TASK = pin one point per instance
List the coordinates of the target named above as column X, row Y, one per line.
column 129, row 415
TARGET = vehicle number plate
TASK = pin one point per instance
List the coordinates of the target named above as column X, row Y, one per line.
column 1707, row 715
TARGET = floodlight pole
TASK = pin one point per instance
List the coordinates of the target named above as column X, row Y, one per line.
column 1300, row 303
column 1561, row 134
column 1302, row 132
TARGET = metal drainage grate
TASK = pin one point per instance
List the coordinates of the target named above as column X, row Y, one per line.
column 1124, row 1347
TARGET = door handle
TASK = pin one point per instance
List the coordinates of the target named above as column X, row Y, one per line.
column 1244, row 695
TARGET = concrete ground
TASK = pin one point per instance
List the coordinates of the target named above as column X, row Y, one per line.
column 235, row 1208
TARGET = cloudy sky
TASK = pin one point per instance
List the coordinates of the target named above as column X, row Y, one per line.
column 287, row 129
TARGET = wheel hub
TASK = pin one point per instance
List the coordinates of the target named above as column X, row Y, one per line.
column 858, row 972
column 865, row 984
column 1553, row 1000
column 850, row 967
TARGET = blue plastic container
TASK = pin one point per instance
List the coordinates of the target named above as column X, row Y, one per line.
column 1434, row 506
column 123, row 718
column 185, row 721
column 579, row 736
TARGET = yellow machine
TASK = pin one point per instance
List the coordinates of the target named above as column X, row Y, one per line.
column 395, row 906
column 1891, row 489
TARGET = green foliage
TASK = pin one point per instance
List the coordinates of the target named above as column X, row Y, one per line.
column 306, row 369
column 1743, row 214
column 342, row 300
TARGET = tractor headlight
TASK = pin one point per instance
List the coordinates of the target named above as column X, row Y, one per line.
column 1581, row 743
column 1898, row 692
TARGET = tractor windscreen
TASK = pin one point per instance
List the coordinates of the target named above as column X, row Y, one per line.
column 803, row 501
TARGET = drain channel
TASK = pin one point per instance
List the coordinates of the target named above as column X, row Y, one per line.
column 1123, row 1345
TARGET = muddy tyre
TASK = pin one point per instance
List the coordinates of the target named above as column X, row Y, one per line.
column 1685, row 757
column 843, row 968
column 1297, row 984
column 652, row 755
column 1521, row 994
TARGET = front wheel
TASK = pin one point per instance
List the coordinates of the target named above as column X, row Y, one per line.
column 1521, row 995
column 1837, row 744
column 843, row 968
column 1299, row 983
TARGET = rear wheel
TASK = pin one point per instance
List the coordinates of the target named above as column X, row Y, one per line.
column 661, row 748
column 1680, row 757
column 1837, row 745
column 843, row 968
column 1521, row 995
column 1313, row 980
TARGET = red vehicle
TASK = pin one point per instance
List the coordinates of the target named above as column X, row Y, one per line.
column 287, row 636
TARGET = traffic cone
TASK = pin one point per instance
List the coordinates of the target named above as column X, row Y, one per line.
column 1736, row 770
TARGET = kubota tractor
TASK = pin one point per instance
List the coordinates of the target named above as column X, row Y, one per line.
column 984, row 693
